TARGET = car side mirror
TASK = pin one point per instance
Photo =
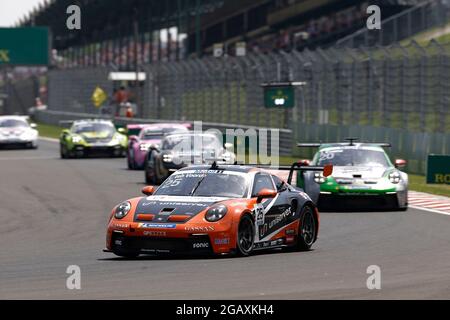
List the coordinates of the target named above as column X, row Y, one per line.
column 148, row 190
column 327, row 170
column 400, row 163
column 132, row 138
column 33, row 125
column 122, row 130
column 304, row 162
column 266, row 194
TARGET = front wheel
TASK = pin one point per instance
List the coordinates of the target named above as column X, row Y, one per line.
column 245, row 236
column 131, row 163
column 63, row 151
column 307, row 232
column 150, row 172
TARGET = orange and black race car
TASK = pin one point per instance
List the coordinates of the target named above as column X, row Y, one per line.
column 218, row 210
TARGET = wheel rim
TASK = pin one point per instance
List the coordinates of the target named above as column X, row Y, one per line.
column 308, row 227
column 246, row 235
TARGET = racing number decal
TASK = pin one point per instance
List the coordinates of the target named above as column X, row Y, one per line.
column 325, row 155
column 259, row 214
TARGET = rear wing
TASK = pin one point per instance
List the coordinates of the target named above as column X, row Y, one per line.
column 350, row 142
column 296, row 166
column 66, row 123
column 309, row 145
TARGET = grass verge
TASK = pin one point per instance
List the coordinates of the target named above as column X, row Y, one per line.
column 418, row 183
column 49, row 131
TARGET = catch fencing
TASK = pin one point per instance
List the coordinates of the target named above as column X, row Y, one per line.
column 425, row 16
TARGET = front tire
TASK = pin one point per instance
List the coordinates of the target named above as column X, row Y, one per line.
column 63, row 151
column 130, row 157
column 307, row 232
column 245, row 236
column 150, row 172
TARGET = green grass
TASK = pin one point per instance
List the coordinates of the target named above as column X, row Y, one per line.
column 49, row 131
column 417, row 183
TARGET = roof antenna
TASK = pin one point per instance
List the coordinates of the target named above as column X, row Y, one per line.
column 351, row 141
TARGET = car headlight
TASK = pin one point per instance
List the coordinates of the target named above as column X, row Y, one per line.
column 122, row 210
column 216, row 213
column 77, row 139
column 319, row 178
column 394, row 177
column 168, row 158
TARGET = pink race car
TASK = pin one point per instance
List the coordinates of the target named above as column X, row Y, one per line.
column 143, row 136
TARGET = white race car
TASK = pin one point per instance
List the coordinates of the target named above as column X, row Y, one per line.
column 15, row 130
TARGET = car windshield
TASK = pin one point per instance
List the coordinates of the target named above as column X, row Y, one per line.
column 352, row 157
column 93, row 127
column 188, row 141
column 204, row 183
column 13, row 123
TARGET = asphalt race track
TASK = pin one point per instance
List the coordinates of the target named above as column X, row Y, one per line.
column 54, row 214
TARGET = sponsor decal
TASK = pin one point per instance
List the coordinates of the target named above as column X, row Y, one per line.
column 222, row 241
column 199, row 228
column 157, row 226
column 263, row 230
column 173, row 204
column 200, row 245
column 280, row 218
column 268, row 244
column 120, row 225
column 155, row 233
column 290, row 232
column 290, row 239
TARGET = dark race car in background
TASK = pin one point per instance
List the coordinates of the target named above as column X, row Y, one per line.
column 363, row 178
column 149, row 135
column 218, row 209
column 180, row 150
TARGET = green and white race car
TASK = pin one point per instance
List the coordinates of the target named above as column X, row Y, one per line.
column 93, row 137
column 363, row 177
